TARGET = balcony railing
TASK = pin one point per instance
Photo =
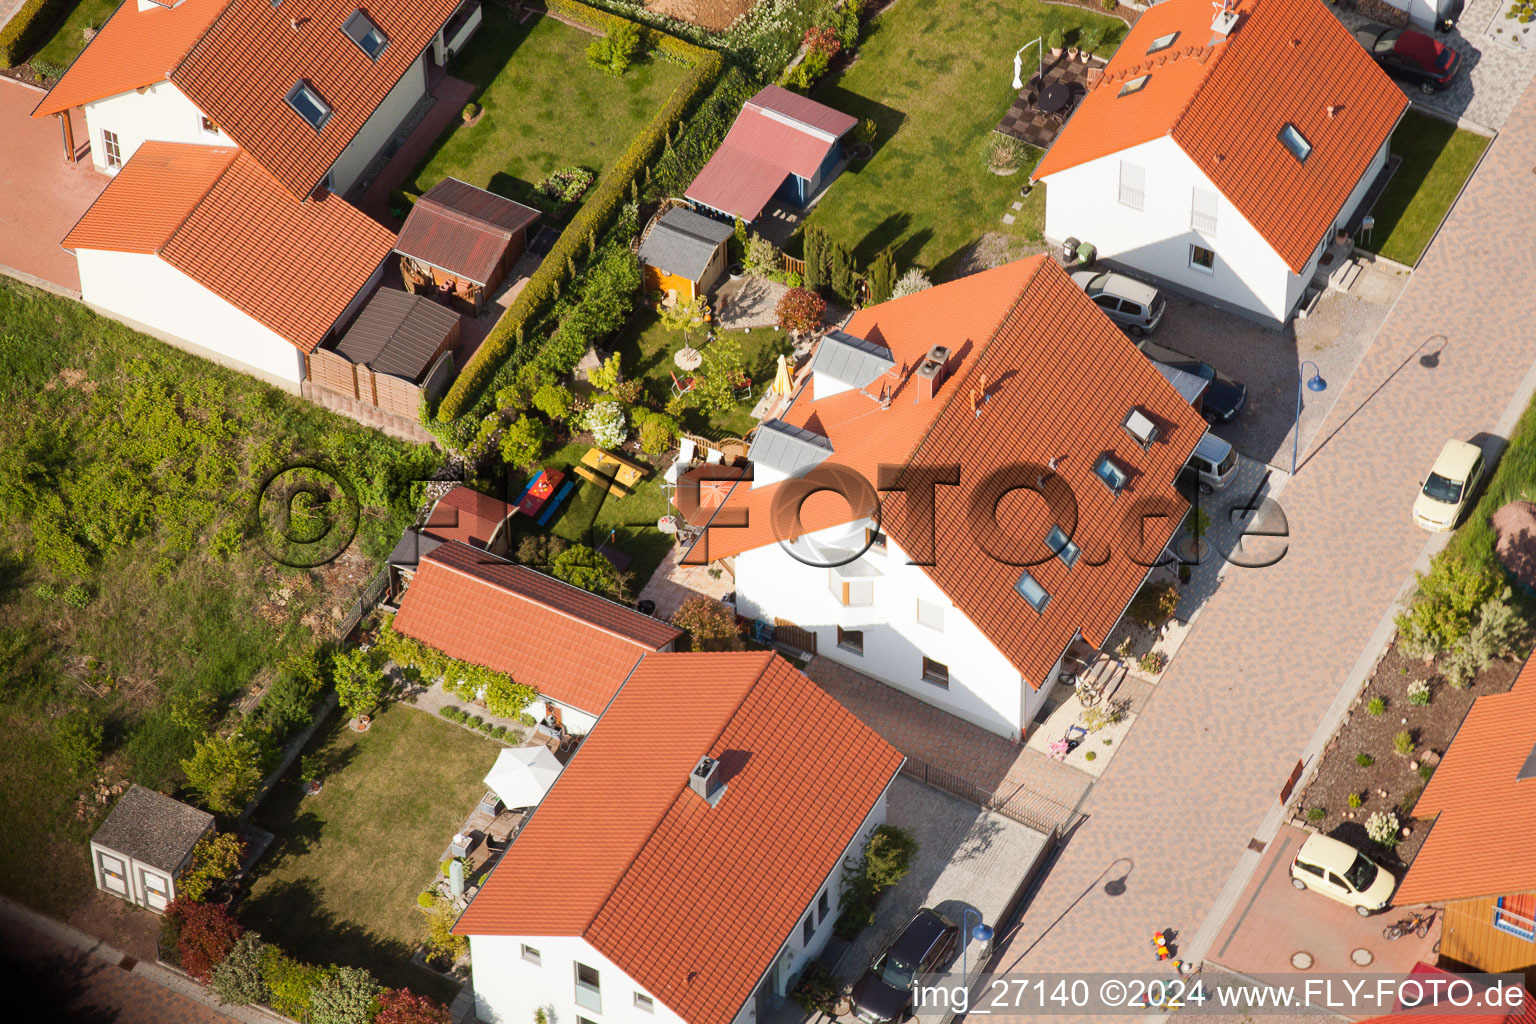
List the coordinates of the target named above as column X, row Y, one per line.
column 1135, row 198
column 1205, row 222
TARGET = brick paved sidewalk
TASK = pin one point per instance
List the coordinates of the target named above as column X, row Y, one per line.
column 1203, row 767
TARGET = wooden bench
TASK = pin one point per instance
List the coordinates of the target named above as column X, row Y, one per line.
column 615, row 488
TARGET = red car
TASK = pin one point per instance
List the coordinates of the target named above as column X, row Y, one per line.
column 1410, row 56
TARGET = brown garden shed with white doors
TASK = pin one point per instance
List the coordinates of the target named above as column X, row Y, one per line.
column 142, row 848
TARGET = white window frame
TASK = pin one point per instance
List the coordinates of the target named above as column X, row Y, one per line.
column 111, row 148
column 1193, row 265
column 588, row 994
column 644, row 1003
column 1133, row 185
column 532, row 955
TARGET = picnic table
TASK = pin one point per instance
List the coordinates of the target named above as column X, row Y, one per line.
column 627, row 474
column 539, row 491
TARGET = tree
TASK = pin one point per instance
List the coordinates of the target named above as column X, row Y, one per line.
column 507, row 698
column 840, row 272
column 539, row 549
column 402, row 1006
column 762, row 257
column 224, row 771
column 583, row 567
column 237, row 980
column 799, row 311
column 721, row 375
column 215, row 858
column 345, row 997
column 1446, row 606
column 910, row 283
column 360, row 682
column 606, row 374
column 524, row 441
column 739, row 239
column 711, row 625
column 684, row 316
column 813, row 240
column 613, row 53
column 554, row 401
column 882, row 276
column 205, row 936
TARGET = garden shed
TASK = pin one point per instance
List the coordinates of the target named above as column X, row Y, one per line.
column 144, row 845
column 400, row 346
column 684, row 252
column 459, row 241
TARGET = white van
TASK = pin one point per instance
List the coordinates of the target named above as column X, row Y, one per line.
column 1213, row 464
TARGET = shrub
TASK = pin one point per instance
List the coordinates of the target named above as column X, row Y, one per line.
column 583, row 567
column 711, row 625
column 762, row 257
column 505, row 698
column 1053, row 39
column 290, row 701
column 1418, row 693
column 77, row 738
column 864, row 133
column 1445, row 606
column 441, row 942
column 1109, row 5
column 1491, row 636
column 882, row 276
column 1376, row 706
column 487, row 727
column 1152, row 662
column 1406, row 804
column 554, row 401
column 345, row 997
column 606, row 374
column 401, row 1006
column 1403, row 743
column 237, row 981
column 526, row 719
column 1090, row 755
column 1355, row 801
column 607, row 423
column 449, row 712
column 887, row 859
column 291, row 983
column 427, row 899
column 206, row 935
column 224, row 771
column 1104, row 715
column 1154, row 605
column 1425, row 771
column 499, row 733
column 539, row 548
column 566, row 185
column 800, row 311
column 215, row 858
column 657, row 431
column 1004, row 153
column 1382, row 828
column 1364, row 760
column 76, row 595
column 910, row 283
column 524, row 442
column 360, row 682
column 474, row 721
column 1316, row 814
column 470, row 111
column 613, row 53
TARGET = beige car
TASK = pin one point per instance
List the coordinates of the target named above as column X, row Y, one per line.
column 1341, row 872
column 1444, row 493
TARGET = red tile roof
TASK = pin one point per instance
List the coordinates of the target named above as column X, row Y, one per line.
column 1225, row 103
column 693, row 902
column 572, row 646
column 133, row 49
column 294, row 267
column 1060, row 381
column 1483, row 841
column 467, row 516
column 1429, row 1013
column 463, row 229
column 776, row 134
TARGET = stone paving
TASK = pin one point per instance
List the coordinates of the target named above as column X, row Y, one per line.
column 1254, row 686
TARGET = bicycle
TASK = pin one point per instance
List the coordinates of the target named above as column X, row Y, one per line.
column 1417, row 922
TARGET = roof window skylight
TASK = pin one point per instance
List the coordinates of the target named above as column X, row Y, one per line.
column 1162, row 42
column 1032, row 592
column 1134, row 85
column 307, row 103
column 1294, row 141
column 1140, row 426
column 1109, row 471
column 369, row 37
column 1062, row 547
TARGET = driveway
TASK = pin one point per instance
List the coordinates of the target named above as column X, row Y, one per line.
column 1279, row 652
column 41, row 194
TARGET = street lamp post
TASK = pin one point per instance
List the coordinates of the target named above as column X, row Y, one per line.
column 1314, row 383
column 981, row 933
column 1018, row 62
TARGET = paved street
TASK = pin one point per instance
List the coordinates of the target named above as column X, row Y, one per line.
column 1200, row 774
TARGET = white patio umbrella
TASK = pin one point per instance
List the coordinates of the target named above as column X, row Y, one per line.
column 522, row 775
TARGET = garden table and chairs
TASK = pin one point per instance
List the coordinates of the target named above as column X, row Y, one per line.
column 1054, row 98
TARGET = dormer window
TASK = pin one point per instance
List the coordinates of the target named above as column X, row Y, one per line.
column 1140, row 426
column 369, row 37
column 1032, row 592
column 1162, row 43
column 1109, row 471
column 1134, row 85
column 1062, row 547
column 1294, row 141
column 307, row 103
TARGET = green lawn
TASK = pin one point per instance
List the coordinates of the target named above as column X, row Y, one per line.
column 936, row 77
column 68, row 41
column 1438, row 158
column 339, row 885
column 130, row 575
column 544, row 107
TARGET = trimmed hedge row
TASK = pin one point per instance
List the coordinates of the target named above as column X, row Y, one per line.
column 29, row 28
column 669, row 46
column 590, row 221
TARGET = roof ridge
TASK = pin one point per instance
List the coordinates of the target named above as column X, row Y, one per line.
column 228, row 6
column 234, row 154
column 1245, row 9
column 469, row 221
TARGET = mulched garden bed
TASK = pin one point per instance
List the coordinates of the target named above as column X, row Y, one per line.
column 1402, row 778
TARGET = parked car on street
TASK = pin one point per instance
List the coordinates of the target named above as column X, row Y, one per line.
column 1135, row 306
column 883, row 995
column 1212, row 466
column 1224, row 397
column 1410, row 56
column 1342, row 873
column 1444, row 494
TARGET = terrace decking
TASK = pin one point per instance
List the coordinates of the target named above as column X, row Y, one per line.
column 1027, row 122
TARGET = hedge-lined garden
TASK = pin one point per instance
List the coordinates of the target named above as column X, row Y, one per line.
column 29, row 28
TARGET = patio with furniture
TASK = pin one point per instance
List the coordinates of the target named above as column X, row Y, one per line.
column 1047, row 101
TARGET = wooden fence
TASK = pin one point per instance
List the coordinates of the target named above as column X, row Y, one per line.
column 794, row 266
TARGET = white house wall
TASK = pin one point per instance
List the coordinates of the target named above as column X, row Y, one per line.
column 1299, row 282
column 161, row 113
column 509, row 988
column 152, row 296
column 380, row 127
column 1084, row 202
column 984, row 687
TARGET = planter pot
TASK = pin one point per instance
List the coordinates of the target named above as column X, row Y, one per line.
column 1004, row 174
column 313, row 787
column 361, row 723
column 1025, row 190
column 863, row 152
column 736, row 272
column 470, row 122
column 1194, row 550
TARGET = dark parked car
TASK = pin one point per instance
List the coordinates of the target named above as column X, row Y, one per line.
column 1410, row 56
column 1224, row 397
column 884, row 994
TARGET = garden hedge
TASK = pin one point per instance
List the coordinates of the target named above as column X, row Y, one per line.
column 591, row 220
column 29, row 28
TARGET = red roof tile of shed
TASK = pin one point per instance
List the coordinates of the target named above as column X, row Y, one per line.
column 803, row 109
column 463, row 229
column 467, row 516
column 1060, row 381
column 693, row 902
column 1483, row 841
column 572, row 646
column 294, row 267
column 1225, row 101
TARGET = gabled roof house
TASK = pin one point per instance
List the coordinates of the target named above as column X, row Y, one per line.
column 699, row 843
column 1221, row 150
column 887, row 520
column 781, row 146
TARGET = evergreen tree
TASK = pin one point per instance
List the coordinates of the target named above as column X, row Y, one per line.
column 882, row 276
column 841, row 272
column 813, row 248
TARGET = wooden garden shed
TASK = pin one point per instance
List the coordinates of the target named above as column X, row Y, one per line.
column 140, row 851
column 459, row 241
column 685, row 252
column 399, row 347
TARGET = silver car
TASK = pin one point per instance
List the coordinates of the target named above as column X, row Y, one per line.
column 1135, row 306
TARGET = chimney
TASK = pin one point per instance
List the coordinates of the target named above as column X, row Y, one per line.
column 705, row 780
column 929, row 375
column 1224, row 22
